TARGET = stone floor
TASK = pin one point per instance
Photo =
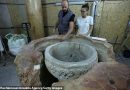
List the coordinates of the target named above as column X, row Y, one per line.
column 8, row 74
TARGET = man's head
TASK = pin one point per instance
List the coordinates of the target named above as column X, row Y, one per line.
column 65, row 5
column 84, row 10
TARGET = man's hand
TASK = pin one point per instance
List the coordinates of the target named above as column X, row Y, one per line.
column 63, row 37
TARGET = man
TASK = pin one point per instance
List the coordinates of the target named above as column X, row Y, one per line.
column 65, row 23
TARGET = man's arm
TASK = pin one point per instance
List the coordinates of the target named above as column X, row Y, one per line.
column 71, row 27
column 55, row 30
column 57, row 23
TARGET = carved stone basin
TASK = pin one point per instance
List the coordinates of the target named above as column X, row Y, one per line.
column 69, row 60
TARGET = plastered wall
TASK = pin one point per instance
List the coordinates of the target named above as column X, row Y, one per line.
column 17, row 11
column 5, row 20
column 112, row 21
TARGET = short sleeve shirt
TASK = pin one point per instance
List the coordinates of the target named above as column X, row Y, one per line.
column 84, row 24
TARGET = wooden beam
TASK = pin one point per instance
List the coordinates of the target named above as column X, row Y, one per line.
column 34, row 12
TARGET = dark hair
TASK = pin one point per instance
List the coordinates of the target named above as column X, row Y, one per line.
column 86, row 6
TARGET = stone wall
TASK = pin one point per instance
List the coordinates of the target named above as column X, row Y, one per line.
column 28, row 62
column 103, row 76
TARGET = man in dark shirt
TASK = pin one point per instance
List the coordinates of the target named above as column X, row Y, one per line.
column 65, row 23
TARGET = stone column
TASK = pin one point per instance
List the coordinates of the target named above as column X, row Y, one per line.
column 35, row 16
